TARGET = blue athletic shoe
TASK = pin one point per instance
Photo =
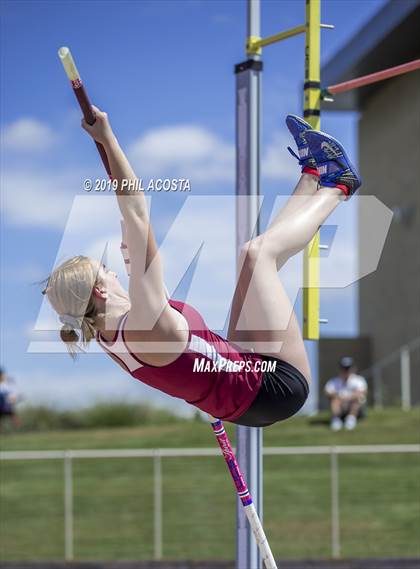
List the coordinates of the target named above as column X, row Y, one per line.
column 334, row 168
column 298, row 129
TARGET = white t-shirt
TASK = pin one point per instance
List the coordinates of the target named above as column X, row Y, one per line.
column 337, row 385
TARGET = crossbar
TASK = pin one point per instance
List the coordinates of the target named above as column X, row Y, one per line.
column 373, row 77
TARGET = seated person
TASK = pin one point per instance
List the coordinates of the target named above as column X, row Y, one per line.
column 347, row 395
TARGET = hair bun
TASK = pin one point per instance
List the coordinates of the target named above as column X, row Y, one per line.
column 68, row 334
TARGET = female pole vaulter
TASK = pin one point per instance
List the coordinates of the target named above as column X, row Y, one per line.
column 166, row 343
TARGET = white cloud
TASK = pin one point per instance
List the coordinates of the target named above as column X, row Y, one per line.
column 28, row 134
column 170, row 144
column 194, row 152
column 184, row 151
column 38, row 198
column 277, row 163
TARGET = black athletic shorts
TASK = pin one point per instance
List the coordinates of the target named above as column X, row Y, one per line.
column 282, row 393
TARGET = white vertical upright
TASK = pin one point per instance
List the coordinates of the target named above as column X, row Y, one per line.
column 335, row 506
column 405, row 378
column 248, row 440
column 68, row 507
column 157, row 470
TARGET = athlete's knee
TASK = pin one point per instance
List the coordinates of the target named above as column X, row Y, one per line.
column 252, row 250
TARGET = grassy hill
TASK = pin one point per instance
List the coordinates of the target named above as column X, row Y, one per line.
column 387, row 426
column 114, row 498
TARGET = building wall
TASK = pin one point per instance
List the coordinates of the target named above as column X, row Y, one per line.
column 389, row 159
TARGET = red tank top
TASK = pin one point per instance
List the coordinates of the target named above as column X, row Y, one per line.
column 212, row 373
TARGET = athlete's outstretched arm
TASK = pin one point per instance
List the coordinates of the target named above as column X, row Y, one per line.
column 131, row 201
column 146, row 288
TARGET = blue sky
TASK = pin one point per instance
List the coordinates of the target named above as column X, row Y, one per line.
column 164, row 73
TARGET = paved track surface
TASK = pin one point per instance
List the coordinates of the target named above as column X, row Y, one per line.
column 284, row 564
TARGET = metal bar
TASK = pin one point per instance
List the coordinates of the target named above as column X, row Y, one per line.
column 112, row 453
column 374, row 77
column 249, row 444
column 199, row 452
column 244, row 495
column 68, row 507
column 254, row 45
column 158, row 549
column 248, row 104
column 335, row 506
column 82, row 97
column 405, row 378
column 311, row 106
column 347, row 449
column 32, row 455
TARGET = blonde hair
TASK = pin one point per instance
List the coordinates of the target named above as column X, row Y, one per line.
column 69, row 290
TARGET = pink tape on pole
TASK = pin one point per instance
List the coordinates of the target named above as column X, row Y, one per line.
column 229, row 456
column 243, row 493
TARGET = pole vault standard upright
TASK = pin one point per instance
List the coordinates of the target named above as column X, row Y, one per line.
column 312, row 97
column 248, row 109
column 248, row 93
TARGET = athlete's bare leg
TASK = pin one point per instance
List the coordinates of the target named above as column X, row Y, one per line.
column 306, row 187
column 262, row 315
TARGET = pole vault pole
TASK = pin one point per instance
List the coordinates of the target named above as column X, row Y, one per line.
column 244, row 495
column 248, row 94
column 82, row 97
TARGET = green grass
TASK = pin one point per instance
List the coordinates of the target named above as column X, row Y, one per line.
column 113, row 498
column 389, row 426
column 38, row 418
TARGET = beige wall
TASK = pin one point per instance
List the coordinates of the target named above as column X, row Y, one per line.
column 389, row 159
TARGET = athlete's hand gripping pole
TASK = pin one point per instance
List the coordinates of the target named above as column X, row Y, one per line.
column 82, row 97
